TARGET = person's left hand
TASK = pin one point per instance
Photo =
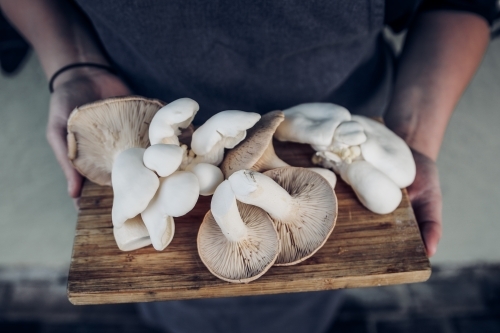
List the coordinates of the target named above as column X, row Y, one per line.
column 425, row 197
column 72, row 89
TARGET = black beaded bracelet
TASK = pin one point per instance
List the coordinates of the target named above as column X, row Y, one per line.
column 81, row 64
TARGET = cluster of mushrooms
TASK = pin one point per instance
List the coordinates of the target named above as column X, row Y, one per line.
column 264, row 212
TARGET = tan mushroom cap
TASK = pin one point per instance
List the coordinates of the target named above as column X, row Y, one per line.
column 245, row 260
column 99, row 131
column 308, row 227
column 256, row 152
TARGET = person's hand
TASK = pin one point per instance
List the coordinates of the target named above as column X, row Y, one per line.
column 425, row 197
column 71, row 90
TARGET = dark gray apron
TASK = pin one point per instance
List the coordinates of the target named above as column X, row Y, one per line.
column 252, row 55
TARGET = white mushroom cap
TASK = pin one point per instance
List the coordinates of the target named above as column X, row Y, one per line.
column 164, row 127
column 301, row 203
column 209, row 177
column 237, row 243
column 312, row 123
column 134, row 185
column 224, row 130
column 374, row 189
column 176, row 196
column 132, row 235
column 163, row 159
column 387, row 152
column 350, row 133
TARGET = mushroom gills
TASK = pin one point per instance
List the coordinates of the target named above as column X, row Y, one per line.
column 301, row 203
column 237, row 243
column 98, row 132
column 256, row 152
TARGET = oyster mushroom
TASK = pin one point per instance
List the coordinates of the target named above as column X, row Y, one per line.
column 132, row 235
column 349, row 133
column 341, row 140
column 209, row 177
column 373, row 188
column 134, row 185
column 312, row 123
column 301, row 203
column 256, row 152
column 177, row 195
column 387, row 152
column 224, row 130
column 169, row 120
column 164, row 159
column 237, row 242
column 99, row 131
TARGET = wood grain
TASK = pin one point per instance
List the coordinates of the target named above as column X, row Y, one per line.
column 365, row 249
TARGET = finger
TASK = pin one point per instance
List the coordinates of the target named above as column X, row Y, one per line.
column 427, row 210
column 431, row 234
column 76, row 203
column 57, row 140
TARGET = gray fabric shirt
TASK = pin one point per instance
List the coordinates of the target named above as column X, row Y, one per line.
column 251, row 55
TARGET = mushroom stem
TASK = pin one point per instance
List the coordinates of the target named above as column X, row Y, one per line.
column 226, row 213
column 256, row 189
column 269, row 161
column 132, row 235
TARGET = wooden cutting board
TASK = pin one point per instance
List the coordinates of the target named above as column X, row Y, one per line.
column 365, row 249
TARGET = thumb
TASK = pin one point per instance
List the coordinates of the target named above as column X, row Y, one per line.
column 428, row 214
column 57, row 140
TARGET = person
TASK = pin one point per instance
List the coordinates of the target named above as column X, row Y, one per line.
column 260, row 56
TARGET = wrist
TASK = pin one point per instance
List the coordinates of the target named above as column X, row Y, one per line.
column 78, row 72
column 419, row 124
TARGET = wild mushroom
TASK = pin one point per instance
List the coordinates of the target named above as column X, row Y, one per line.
column 166, row 124
column 256, row 152
column 132, row 235
column 301, row 203
column 177, row 195
column 237, row 243
column 312, row 123
column 224, row 130
column 99, row 131
column 134, row 185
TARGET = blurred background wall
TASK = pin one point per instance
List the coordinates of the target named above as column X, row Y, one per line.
column 37, row 218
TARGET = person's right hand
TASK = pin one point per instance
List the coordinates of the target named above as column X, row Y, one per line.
column 74, row 88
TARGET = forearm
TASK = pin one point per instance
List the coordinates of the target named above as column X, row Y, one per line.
column 443, row 50
column 57, row 31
